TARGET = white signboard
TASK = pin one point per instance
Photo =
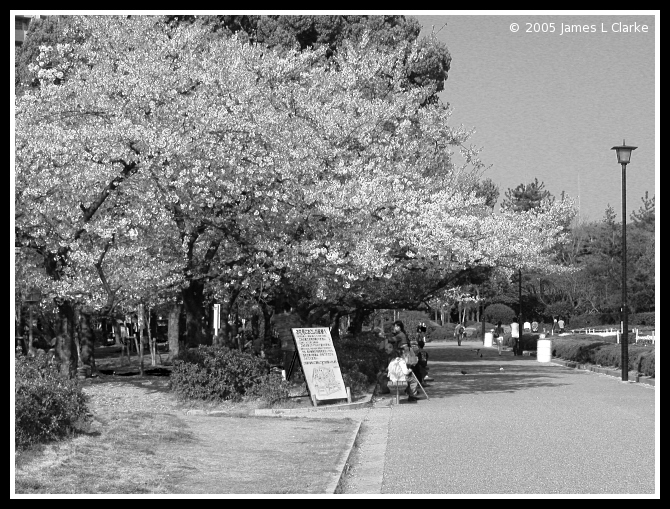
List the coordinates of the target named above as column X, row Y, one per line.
column 319, row 363
column 217, row 318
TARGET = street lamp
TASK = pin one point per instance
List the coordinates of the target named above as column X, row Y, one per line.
column 518, row 347
column 623, row 153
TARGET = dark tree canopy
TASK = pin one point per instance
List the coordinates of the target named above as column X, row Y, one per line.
column 645, row 216
column 301, row 32
column 526, row 196
column 488, row 190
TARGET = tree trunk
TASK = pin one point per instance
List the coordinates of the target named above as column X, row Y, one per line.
column 152, row 338
column 87, row 341
column 267, row 327
column 356, row 325
column 335, row 325
column 193, row 297
column 173, row 332
column 66, row 350
column 255, row 325
column 140, row 340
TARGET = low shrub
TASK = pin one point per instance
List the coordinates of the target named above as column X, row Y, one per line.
column 577, row 350
column 436, row 332
column 646, row 363
column 271, row 389
column 355, row 380
column 648, row 319
column 592, row 351
column 528, row 341
column 216, row 373
column 47, row 405
column 499, row 312
column 360, row 352
column 610, row 355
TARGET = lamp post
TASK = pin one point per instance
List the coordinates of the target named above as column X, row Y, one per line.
column 520, row 318
column 623, row 153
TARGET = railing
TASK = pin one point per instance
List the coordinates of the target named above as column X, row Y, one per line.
column 616, row 332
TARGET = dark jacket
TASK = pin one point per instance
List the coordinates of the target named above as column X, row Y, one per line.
column 399, row 339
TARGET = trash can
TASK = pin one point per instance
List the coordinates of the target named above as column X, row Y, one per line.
column 488, row 339
column 544, row 350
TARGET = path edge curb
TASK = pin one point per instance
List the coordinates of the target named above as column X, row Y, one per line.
column 335, row 485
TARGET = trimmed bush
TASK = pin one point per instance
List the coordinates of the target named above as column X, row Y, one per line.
column 48, row 406
column 604, row 353
column 356, row 381
column 360, row 352
column 646, row 363
column 216, row 373
column 499, row 313
column 577, row 350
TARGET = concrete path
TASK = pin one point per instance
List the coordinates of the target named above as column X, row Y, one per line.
column 532, row 428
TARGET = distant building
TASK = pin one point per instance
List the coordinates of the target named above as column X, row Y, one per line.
column 21, row 27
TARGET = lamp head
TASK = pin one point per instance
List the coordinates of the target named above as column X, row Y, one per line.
column 623, row 153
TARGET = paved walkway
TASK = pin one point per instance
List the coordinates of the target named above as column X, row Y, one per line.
column 532, row 428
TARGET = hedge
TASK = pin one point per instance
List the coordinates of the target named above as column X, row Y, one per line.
column 589, row 351
column 217, row 373
column 611, row 320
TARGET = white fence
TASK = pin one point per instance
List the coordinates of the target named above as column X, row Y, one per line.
column 617, row 332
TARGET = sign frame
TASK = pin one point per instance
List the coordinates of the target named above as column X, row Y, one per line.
column 319, row 363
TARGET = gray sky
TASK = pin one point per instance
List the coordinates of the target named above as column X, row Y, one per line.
column 551, row 106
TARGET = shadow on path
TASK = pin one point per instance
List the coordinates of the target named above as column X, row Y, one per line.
column 482, row 366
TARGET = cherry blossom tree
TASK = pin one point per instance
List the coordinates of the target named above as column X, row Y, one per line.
column 155, row 160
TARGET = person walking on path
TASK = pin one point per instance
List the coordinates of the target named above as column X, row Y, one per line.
column 534, row 326
column 498, row 336
column 554, row 326
column 561, row 325
column 515, row 336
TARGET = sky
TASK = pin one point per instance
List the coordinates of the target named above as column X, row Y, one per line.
column 551, row 105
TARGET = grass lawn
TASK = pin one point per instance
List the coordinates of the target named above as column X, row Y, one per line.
column 165, row 451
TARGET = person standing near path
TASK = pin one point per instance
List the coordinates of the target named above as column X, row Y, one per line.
column 534, row 326
column 498, row 333
column 554, row 326
column 515, row 335
column 458, row 333
column 561, row 325
column 399, row 336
